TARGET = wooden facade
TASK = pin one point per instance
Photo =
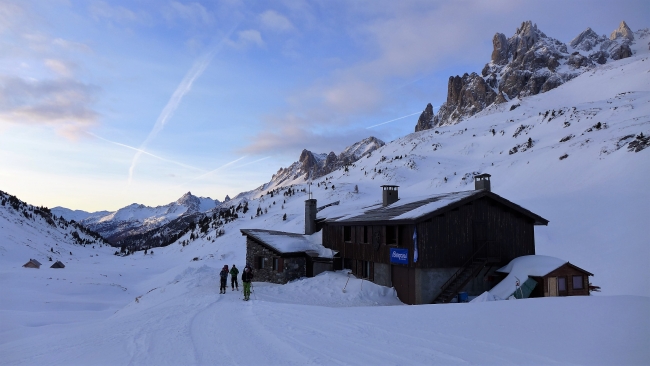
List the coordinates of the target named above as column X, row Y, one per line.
column 567, row 280
column 480, row 224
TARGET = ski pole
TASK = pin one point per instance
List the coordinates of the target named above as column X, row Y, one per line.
column 252, row 289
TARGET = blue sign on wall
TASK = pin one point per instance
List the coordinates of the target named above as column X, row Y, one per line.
column 399, row 256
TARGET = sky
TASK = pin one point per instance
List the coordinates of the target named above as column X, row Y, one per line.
column 108, row 103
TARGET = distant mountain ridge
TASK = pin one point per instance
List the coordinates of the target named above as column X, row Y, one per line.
column 136, row 218
column 528, row 63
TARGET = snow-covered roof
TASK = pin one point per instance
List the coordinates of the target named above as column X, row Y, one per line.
column 520, row 269
column 284, row 242
column 414, row 208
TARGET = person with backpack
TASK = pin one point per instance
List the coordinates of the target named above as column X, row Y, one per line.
column 224, row 279
column 233, row 278
column 246, row 278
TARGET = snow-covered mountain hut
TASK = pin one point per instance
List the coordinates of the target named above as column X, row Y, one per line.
column 280, row 257
column 541, row 276
column 33, row 263
column 431, row 248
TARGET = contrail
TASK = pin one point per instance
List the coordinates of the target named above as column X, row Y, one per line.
column 252, row 162
column 393, row 120
column 215, row 170
column 185, row 86
column 146, row 153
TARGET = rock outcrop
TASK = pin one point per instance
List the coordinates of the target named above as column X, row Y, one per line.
column 314, row 166
column 525, row 64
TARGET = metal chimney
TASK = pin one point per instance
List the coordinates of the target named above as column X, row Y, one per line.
column 482, row 181
column 389, row 195
column 310, row 216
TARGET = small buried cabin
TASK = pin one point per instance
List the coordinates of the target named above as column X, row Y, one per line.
column 33, row 263
column 280, row 257
column 541, row 276
column 431, row 248
column 58, row 264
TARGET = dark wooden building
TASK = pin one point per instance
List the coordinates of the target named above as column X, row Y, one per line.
column 280, row 257
column 431, row 248
column 58, row 264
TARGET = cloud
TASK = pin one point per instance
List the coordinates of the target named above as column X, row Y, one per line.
column 102, row 10
column 246, row 38
column 62, row 103
column 192, row 12
column 275, row 21
column 62, row 68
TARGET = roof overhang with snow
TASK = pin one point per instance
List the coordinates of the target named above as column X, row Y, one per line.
column 413, row 210
column 290, row 244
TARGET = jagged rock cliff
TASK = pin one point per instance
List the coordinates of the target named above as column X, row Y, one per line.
column 525, row 64
column 313, row 166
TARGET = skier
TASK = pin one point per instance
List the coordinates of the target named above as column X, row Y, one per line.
column 224, row 279
column 233, row 278
column 246, row 278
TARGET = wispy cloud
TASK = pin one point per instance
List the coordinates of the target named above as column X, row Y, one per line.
column 275, row 21
column 191, row 12
column 145, row 152
column 183, row 88
column 64, row 103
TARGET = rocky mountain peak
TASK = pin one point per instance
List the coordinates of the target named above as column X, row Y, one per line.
column 528, row 63
column 623, row 31
column 187, row 198
column 586, row 40
column 427, row 115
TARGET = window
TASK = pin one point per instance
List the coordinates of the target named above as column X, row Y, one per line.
column 391, row 235
column 347, row 234
column 366, row 234
column 365, row 268
column 261, row 261
column 561, row 284
column 276, row 263
column 578, row 284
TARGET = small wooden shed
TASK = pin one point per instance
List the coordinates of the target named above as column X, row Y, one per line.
column 58, row 264
column 541, row 276
column 33, row 263
column 280, row 257
column 566, row 280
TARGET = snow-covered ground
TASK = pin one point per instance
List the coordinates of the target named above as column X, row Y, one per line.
column 164, row 308
column 139, row 310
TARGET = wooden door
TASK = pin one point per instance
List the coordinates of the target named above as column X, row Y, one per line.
column 403, row 279
column 552, row 286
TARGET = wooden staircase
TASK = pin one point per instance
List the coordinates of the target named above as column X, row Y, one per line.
column 451, row 288
column 465, row 273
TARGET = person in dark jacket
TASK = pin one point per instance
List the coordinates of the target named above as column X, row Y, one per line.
column 233, row 278
column 246, row 278
column 224, row 279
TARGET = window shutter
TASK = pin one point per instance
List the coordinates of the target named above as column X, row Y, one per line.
column 280, row 265
column 257, row 262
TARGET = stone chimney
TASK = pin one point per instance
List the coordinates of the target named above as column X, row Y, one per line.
column 482, row 181
column 310, row 216
column 389, row 195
